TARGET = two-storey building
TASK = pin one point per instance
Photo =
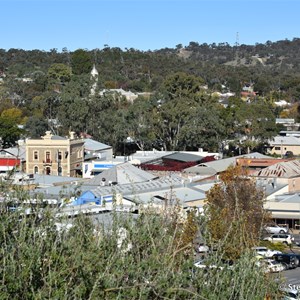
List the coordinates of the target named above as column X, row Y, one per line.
column 55, row 155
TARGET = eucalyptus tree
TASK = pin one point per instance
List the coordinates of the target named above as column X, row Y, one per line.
column 182, row 85
column 59, row 73
column 106, row 121
column 249, row 124
column 81, row 62
column 73, row 110
column 204, row 128
column 139, row 123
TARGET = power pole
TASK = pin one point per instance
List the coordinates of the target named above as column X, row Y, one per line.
column 237, row 44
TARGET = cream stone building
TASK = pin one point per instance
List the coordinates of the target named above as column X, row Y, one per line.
column 55, row 155
column 281, row 144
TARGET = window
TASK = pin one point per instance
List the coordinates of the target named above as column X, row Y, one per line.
column 48, row 160
column 36, row 170
column 59, row 155
column 35, row 155
column 277, row 148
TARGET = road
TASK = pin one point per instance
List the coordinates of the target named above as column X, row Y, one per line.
column 292, row 277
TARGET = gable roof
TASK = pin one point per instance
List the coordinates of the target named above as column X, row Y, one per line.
column 220, row 165
column 122, row 174
column 285, row 140
column 183, row 157
column 92, row 145
column 286, row 169
column 132, row 188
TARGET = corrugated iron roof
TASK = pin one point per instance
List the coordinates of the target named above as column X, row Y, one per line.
column 184, row 157
column 283, row 169
column 220, row 165
column 92, row 145
column 122, row 174
column 285, row 140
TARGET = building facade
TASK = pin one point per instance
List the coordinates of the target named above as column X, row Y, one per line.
column 55, row 155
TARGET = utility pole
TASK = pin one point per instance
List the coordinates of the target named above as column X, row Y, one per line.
column 237, row 44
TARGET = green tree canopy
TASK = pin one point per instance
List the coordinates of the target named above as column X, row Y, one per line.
column 9, row 132
column 182, row 85
column 81, row 62
column 59, row 72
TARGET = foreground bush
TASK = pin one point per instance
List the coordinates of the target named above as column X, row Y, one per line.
column 145, row 260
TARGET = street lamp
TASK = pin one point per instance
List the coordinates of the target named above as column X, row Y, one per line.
column 128, row 140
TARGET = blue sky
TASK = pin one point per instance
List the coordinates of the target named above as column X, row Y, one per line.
column 144, row 24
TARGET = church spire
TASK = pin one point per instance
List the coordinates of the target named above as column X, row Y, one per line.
column 94, row 78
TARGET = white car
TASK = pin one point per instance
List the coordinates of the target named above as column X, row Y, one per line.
column 265, row 252
column 203, row 248
column 270, row 265
column 280, row 238
column 275, row 229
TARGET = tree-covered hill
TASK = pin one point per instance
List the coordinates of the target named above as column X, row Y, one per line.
column 181, row 110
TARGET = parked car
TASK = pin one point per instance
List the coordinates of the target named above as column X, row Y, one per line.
column 280, row 238
column 202, row 248
column 265, row 252
column 270, row 265
column 274, row 228
column 290, row 260
column 289, row 294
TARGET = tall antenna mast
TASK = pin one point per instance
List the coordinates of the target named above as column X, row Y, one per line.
column 237, row 44
column 237, row 40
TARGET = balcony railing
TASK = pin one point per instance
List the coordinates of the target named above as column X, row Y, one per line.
column 47, row 161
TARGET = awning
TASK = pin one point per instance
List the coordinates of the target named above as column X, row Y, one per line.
column 286, row 215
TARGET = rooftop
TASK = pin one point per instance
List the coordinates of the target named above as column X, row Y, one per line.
column 286, row 169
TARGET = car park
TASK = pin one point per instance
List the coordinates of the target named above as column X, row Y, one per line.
column 280, row 238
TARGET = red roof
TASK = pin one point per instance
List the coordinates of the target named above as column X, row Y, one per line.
column 9, row 162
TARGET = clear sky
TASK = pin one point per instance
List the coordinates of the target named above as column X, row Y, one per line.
column 144, row 24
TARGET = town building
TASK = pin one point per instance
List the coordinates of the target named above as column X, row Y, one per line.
column 55, row 155
column 280, row 145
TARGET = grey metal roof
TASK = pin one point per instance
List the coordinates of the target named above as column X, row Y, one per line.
column 220, row 165
column 287, row 169
column 148, row 156
column 268, row 186
column 47, row 180
column 92, row 145
column 18, row 151
column 122, row 174
column 140, row 187
column 285, row 140
column 56, row 192
column 184, row 157
column 289, row 198
column 182, row 194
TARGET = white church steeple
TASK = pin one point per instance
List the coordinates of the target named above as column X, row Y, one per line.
column 94, row 78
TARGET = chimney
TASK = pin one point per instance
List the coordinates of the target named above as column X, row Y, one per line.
column 47, row 136
column 72, row 135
